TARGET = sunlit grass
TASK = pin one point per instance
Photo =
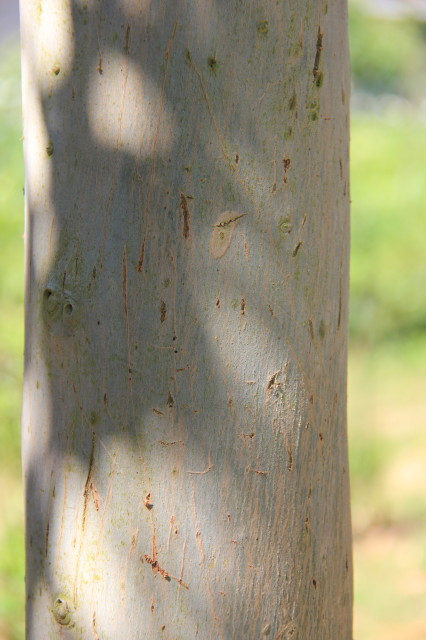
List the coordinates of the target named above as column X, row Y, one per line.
column 388, row 267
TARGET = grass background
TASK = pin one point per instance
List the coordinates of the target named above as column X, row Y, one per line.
column 387, row 364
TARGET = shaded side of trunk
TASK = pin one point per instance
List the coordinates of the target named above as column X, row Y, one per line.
column 184, row 422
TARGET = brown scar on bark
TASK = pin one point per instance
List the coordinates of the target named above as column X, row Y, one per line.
column 286, row 167
column 296, row 249
column 157, row 412
column 87, row 484
column 163, row 311
column 141, row 257
column 46, row 540
column 273, row 381
column 289, row 454
column 95, row 633
column 186, row 216
column 248, row 435
column 147, row 502
column 259, row 472
column 165, row 443
column 319, row 48
column 167, row 576
column 95, row 495
column 99, row 67
column 243, row 307
column 127, row 40
column 226, row 222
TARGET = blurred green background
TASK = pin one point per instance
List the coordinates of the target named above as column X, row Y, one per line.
column 387, row 366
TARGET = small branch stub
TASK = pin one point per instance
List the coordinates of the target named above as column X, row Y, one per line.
column 60, row 311
column 62, row 612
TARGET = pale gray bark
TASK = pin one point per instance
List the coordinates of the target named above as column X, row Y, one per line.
column 184, row 422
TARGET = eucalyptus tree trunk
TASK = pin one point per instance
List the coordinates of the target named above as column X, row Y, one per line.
column 184, row 421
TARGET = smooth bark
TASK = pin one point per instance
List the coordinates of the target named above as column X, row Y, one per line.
column 184, row 422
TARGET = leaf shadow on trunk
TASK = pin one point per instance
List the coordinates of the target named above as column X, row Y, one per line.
column 157, row 369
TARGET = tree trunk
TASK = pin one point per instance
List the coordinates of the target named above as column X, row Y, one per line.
column 184, row 422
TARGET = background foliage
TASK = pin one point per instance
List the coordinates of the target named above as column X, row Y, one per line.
column 387, row 400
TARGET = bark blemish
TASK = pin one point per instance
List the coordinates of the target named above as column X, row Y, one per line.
column 289, row 454
column 148, row 502
column 46, row 540
column 319, row 47
column 87, row 486
column 296, row 249
column 259, row 472
column 95, row 633
column 246, row 250
column 218, row 303
column 127, row 40
column 221, row 234
column 286, row 167
column 124, row 283
column 170, row 400
column 186, row 216
column 202, row 473
column 273, row 381
column 263, row 27
column 95, row 495
column 99, row 68
column 243, row 307
column 213, row 64
column 163, row 311
column 141, row 256
column 285, row 225
column 319, row 80
column 167, row 576
column 248, row 435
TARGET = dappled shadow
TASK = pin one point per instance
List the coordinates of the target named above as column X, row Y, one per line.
column 178, row 351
